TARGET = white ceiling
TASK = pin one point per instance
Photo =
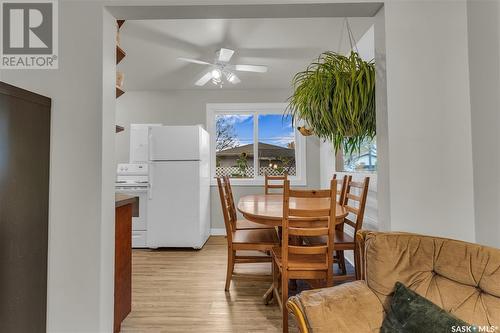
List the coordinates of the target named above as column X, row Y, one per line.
column 286, row 46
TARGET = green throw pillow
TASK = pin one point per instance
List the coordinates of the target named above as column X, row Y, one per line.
column 412, row 313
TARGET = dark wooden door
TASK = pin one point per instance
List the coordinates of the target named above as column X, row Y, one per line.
column 24, row 207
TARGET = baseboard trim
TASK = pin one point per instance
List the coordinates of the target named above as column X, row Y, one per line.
column 218, row 232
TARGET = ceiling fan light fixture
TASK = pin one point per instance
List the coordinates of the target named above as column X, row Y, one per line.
column 221, row 70
column 216, row 74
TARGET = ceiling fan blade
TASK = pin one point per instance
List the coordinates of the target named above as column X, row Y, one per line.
column 194, row 61
column 251, row 68
column 224, row 55
column 204, row 79
column 234, row 79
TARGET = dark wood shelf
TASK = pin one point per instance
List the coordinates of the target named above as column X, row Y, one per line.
column 120, row 54
column 119, row 128
column 119, row 92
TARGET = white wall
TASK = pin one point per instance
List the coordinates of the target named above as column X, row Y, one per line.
column 429, row 125
column 108, row 171
column 484, row 69
column 188, row 107
column 383, row 166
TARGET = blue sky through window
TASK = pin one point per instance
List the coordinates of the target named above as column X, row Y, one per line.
column 243, row 128
column 276, row 130
column 273, row 129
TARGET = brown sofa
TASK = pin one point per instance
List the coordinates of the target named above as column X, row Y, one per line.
column 460, row 277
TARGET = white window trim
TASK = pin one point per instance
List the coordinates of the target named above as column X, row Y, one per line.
column 255, row 108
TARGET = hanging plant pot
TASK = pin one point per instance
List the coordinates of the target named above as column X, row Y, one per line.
column 335, row 98
column 305, row 131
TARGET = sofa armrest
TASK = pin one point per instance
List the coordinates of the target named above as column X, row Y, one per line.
column 350, row 307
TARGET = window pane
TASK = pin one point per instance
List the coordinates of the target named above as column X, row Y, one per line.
column 234, row 145
column 276, row 145
column 364, row 160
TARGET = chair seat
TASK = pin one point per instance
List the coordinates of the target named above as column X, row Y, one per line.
column 300, row 262
column 245, row 224
column 255, row 236
column 340, row 238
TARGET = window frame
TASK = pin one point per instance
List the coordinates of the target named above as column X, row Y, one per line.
column 255, row 109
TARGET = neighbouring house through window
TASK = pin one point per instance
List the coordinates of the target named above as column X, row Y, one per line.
column 250, row 140
column 363, row 160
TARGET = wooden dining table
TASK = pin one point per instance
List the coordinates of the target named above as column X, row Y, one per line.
column 267, row 209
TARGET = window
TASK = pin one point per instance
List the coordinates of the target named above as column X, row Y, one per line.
column 364, row 160
column 250, row 140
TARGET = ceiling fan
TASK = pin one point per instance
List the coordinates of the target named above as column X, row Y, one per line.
column 222, row 69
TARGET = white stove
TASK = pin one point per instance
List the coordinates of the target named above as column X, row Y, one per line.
column 132, row 175
column 133, row 179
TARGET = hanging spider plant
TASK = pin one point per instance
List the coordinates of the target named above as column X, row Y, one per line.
column 335, row 98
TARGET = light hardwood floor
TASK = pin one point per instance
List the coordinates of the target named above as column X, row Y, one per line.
column 183, row 291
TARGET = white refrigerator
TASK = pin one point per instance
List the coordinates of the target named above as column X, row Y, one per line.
column 179, row 180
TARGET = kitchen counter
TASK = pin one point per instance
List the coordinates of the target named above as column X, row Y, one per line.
column 126, row 206
column 123, row 200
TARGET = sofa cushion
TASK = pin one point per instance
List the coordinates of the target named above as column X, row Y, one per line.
column 410, row 312
column 350, row 307
column 462, row 278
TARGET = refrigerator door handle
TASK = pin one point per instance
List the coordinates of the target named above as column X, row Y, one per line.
column 150, row 191
column 150, row 143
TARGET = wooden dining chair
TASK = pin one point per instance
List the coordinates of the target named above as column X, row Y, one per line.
column 297, row 260
column 355, row 205
column 239, row 223
column 270, row 182
column 259, row 240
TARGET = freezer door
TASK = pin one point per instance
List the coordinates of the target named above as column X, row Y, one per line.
column 174, row 143
column 174, row 205
column 139, row 134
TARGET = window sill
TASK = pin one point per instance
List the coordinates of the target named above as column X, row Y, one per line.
column 258, row 182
